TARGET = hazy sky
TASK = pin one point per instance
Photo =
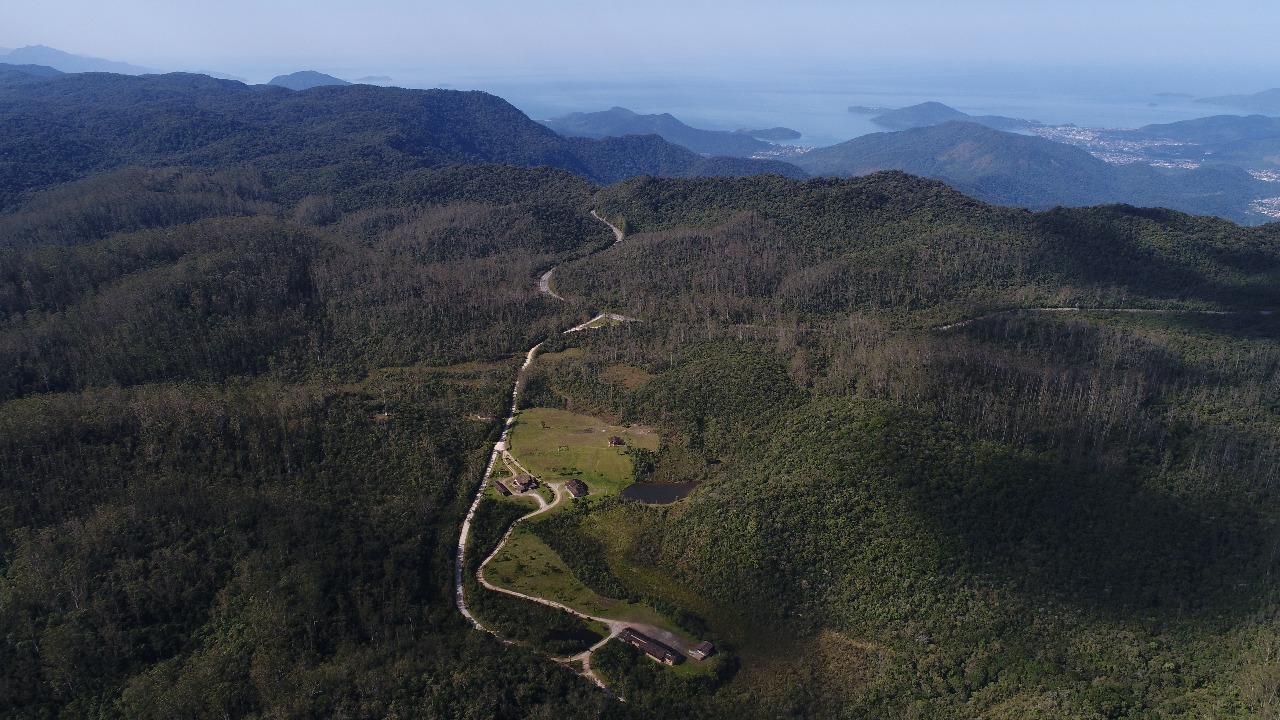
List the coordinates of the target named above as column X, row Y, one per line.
column 265, row 37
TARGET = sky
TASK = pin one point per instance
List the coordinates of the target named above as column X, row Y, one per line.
column 261, row 38
column 718, row 64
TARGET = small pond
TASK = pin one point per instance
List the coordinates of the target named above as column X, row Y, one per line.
column 658, row 493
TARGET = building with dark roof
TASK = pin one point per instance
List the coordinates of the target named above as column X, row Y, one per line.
column 501, row 488
column 649, row 646
column 576, row 487
column 616, row 441
column 524, row 483
column 703, row 650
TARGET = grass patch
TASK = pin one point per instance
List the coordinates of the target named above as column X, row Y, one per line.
column 553, row 357
column 523, row 501
column 616, row 530
column 556, row 445
column 628, row 376
column 527, row 565
column 547, row 493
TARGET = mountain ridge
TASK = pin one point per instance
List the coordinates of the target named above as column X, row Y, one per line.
column 1027, row 171
column 69, row 63
column 305, row 80
column 619, row 121
column 187, row 119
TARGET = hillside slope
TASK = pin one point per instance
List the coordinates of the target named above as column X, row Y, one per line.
column 618, row 121
column 1010, row 169
column 956, row 460
column 319, row 141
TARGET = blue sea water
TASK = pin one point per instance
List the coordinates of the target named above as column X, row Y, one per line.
column 816, row 103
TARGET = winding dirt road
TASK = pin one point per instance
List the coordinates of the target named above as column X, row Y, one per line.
column 544, row 284
column 501, row 453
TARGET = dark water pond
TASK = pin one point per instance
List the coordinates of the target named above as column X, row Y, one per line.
column 658, row 493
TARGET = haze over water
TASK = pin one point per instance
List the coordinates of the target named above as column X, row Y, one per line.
column 716, row 64
column 816, row 103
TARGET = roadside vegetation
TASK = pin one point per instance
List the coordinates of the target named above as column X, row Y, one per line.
column 239, row 430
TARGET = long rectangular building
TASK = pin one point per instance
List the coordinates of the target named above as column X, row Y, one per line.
column 654, row 649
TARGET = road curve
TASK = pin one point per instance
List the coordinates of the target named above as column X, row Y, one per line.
column 498, row 450
column 615, row 626
column 544, row 284
column 501, row 454
column 617, row 234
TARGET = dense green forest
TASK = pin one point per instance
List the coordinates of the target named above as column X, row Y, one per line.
column 1036, row 512
column 323, row 141
column 246, row 404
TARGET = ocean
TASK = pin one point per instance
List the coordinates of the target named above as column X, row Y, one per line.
column 816, row 103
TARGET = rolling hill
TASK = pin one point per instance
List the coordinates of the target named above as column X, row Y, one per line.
column 1012, row 169
column 322, row 140
column 935, row 113
column 955, row 460
column 69, row 63
column 618, row 121
column 305, row 80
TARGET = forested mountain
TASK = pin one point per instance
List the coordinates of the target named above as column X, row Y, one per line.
column 956, row 460
column 935, row 113
column 319, row 141
column 1011, row 169
column 616, row 122
column 236, row 445
column 305, row 80
column 15, row 72
column 1038, row 512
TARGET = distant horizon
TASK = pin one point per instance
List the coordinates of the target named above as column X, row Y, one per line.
column 1200, row 79
column 814, row 100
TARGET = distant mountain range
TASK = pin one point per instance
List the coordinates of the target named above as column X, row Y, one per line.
column 618, row 121
column 66, row 62
column 1011, row 169
column 1267, row 101
column 935, row 113
column 63, row 128
column 27, row 72
column 305, row 80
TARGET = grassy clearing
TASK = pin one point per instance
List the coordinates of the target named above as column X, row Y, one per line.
column 524, row 501
column 694, row 668
column 615, row 530
column 628, row 376
column 598, row 627
column 556, row 445
column 553, row 357
column 527, row 565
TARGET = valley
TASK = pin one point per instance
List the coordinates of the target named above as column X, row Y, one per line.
column 268, row 359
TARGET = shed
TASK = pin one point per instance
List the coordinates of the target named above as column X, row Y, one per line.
column 576, row 487
column 703, row 650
